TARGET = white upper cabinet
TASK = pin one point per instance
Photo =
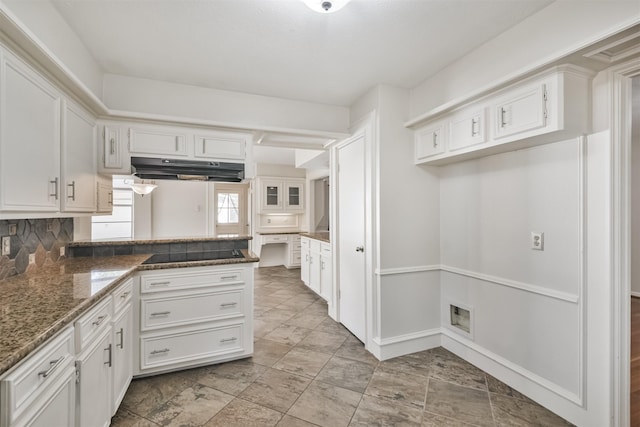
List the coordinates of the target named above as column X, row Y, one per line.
column 78, row 160
column 280, row 195
column 549, row 107
column 111, row 150
column 157, row 141
column 294, row 195
column 29, row 139
column 220, row 145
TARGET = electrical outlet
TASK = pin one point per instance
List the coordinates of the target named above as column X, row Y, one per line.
column 63, row 251
column 537, row 240
column 13, row 229
column 6, row 245
column 32, row 258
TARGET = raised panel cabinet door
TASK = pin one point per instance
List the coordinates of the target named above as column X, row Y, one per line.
column 111, row 148
column 314, row 271
column 467, row 130
column 523, row 111
column 304, row 260
column 94, row 387
column 223, row 146
column 157, row 142
column 58, row 405
column 326, row 275
column 294, row 196
column 105, row 196
column 429, row 141
column 79, row 162
column 29, row 139
column 122, row 355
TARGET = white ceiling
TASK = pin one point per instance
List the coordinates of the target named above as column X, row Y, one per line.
column 281, row 48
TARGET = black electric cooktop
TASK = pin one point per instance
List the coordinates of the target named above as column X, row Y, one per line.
column 193, row 256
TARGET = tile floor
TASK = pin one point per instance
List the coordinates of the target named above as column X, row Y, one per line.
column 308, row 370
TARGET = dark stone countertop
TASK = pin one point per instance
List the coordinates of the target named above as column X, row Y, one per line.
column 118, row 242
column 318, row 235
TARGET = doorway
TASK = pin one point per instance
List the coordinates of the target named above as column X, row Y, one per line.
column 230, row 213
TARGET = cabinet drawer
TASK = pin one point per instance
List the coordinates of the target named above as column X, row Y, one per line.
column 296, row 238
column 35, row 375
column 304, row 243
column 429, row 142
column 275, row 238
column 325, row 249
column 122, row 295
column 296, row 258
column 182, row 310
column 92, row 323
column 156, row 351
column 173, row 281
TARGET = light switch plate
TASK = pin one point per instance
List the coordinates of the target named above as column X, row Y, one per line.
column 537, row 240
column 62, row 251
column 32, row 258
column 6, row 245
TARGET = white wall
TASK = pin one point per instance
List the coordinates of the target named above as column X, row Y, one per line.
column 44, row 21
column 635, row 190
column 560, row 28
column 246, row 110
column 179, row 209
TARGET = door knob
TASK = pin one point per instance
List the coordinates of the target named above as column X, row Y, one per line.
column 360, row 249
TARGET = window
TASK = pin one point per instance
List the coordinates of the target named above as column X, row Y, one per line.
column 118, row 225
column 228, row 210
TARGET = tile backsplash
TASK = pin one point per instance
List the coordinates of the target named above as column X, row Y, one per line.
column 41, row 237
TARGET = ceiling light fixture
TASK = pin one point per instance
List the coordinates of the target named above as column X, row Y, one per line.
column 141, row 188
column 326, row 6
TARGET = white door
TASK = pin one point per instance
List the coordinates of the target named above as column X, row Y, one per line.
column 351, row 235
column 230, row 210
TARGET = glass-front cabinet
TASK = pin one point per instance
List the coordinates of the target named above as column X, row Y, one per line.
column 281, row 195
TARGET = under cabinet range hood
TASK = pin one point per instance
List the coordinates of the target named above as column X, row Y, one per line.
column 156, row 168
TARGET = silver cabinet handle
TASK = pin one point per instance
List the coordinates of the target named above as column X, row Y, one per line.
column 164, row 350
column 360, row 249
column 228, row 304
column 474, row 122
column 177, row 144
column 232, row 339
column 121, row 333
column 228, row 277
column 435, row 139
column 203, row 145
column 161, row 313
column 124, row 295
column 503, row 115
column 110, row 199
column 55, row 188
column 321, row 265
column 112, row 148
column 159, row 284
column 54, row 365
column 99, row 321
column 110, row 361
column 73, row 191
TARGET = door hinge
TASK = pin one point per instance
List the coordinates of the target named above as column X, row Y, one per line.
column 77, row 373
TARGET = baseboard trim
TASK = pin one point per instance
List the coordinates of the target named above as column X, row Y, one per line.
column 515, row 376
column 387, row 348
column 407, row 270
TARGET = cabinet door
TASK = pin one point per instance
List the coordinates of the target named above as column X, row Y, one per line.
column 326, row 273
column 294, row 196
column 157, row 142
column 522, row 111
column 429, row 141
column 79, row 163
column 111, row 149
column 122, row 355
column 105, row 195
column 56, row 408
column 314, row 266
column 29, row 139
column 271, row 195
column 223, row 145
column 94, row 388
column 467, row 129
column 304, row 260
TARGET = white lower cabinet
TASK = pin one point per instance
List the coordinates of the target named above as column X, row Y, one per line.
column 94, row 367
column 122, row 343
column 193, row 316
column 316, row 269
column 40, row 391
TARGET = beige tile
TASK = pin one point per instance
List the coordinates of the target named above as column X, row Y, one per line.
column 303, row 362
column 378, row 412
column 433, row 420
column 353, row 349
column 262, row 327
column 289, row 421
column 277, row 315
column 417, row 364
column 332, row 327
column 307, row 320
column 240, row 413
column 288, row 334
column 398, row 387
column 459, row 371
column 267, row 353
column 126, row 418
column 194, row 406
column 322, row 342
column 346, row 373
column 276, row 389
column 326, row 405
column 496, row 386
column 145, row 394
column 509, row 411
column 231, row 377
column 460, row 403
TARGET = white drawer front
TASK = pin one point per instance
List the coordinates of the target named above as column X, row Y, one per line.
column 35, row 374
column 92, row 323
column 190, row 346
column 182, row 310
column 122, row 295
column 275, row 238
column 172, row 281
column 295, row 238
column 326, row 249
column 296, row 258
